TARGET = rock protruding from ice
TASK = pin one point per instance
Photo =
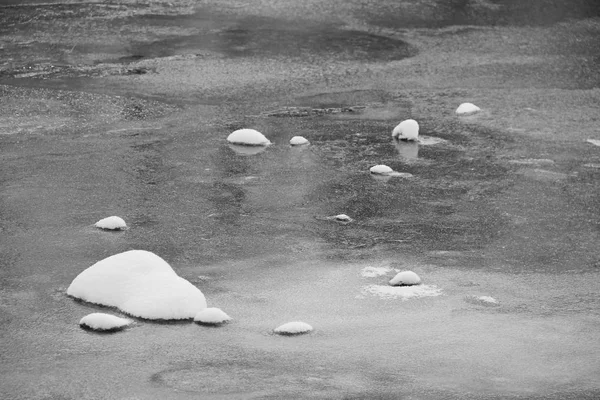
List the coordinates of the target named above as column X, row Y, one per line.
column 467, row 108
column 406, row 130
column 293, row 328
column 113, row 223
column 381, row 170
column 212, row 316
column 343, row 218
column 141, row 284
column 248, row 137
column 405, row 278
column 299, row 141
column 104, row 322
column 595, row 142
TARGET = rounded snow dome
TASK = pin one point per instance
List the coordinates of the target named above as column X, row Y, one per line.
column 467, row 108
column 113, row 223
column 293, row 328
column 212, row 316
column 405, row 278
column 104, row 322
column 381, row 170
column 406, row 130
column 299, row 141
column 248, row 137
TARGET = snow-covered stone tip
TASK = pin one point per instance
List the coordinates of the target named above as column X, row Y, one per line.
column 467, row 108
column 248, row 137
column 299, row 141
column 343, row 218
column 385, row 171
column 113, row 223
column 406, row 130
column 141, row 284
column 104, row 322
column 405, row 278
column 486, row 301
column 293, row 328
column 212, row 316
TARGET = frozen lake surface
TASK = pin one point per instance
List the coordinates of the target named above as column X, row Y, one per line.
column 126, row 109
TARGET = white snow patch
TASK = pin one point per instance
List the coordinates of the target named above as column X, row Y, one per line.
column 595, row 142
column 406, row 130
column 141, row 284
column 293, row 328
column 373, row 272
column 248, row 137
column 103, row 322
column 298, row 141
column 482, row 300
column 111, row 223
column 467, row 108
column 405, row 278
column 402, row 292
column 381, row 170
column 212, row 316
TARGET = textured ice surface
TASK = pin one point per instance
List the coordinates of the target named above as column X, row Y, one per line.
column 401, row 292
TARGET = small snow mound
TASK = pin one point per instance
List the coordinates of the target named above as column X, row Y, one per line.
column 467, row 108
column 293, row 328
column 212, row 316
column 406, row 130
column 487, row 301
column 141, row 284
column 405, row 278
column 103, row 322
column 401, row 292
column 373, row 272
column 113, row 223
column 381, row 170
column 248, row 137
column 298, row 141
column 341, row 218
column 595, row 142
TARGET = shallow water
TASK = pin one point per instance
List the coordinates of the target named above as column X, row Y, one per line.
column 485, row 214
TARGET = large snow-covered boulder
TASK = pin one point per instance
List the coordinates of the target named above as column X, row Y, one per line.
column 113, row 223
column 248, row 137
column 103, row 322
column 141, row 284
column 406, row 130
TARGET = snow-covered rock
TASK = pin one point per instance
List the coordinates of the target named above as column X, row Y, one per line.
column 248, row 137
column 293, row 328
column 113, row 223
column 467, row 108
column 405, row 278
column 212, row 316
column 298, row 141
column 406, row 130
column 487, row 301
column 141, row 284
column 595, row 142
column 103, row 322
column 381, row 170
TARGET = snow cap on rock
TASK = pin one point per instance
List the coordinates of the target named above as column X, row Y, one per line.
column 381, row 170
column 212, row 316
column 293, row 328
column 141, row 284
column 113, row 223
column 248, row 137
column 103, row 322
column 406, row 130
column 298, row 141
column 405, row 278
column 467, row 108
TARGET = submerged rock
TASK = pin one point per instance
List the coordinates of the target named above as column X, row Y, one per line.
column 293, row 328
column 104, row 322
column 467, row 108
column 406, row 130
column 248, row 137
column 405, row 278
column 113, row 223
column 212, row 316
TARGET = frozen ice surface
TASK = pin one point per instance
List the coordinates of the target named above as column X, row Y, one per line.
column 141, row 284
column 467, row 108
column 212, row 316
column 103, row 322
column 406, row 130
column 248, row 137
column 293, row 328
column 405, row 278
column 298, row 141
column 401, row 292
column 595, row 142
column 111, row 223
column 381, row 170
column 373, row 272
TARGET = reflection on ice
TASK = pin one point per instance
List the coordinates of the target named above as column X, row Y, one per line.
column 407, row 150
